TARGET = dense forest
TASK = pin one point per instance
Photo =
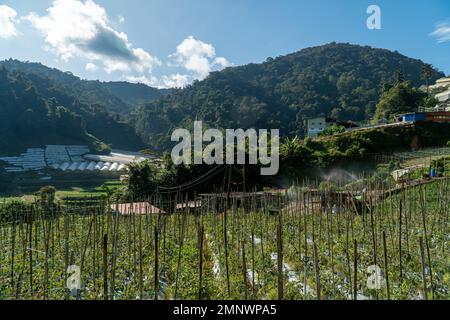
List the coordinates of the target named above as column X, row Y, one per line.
column 35, row 110
column 115, row 97
column 338, row 80
column 27, row 119
column 343, row 81
column 101, row 108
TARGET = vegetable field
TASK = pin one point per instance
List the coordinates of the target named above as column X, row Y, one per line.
column 298, row 244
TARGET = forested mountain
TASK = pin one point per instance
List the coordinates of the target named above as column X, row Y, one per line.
column 26, row 119
column 338, row 80
column 116, row 97
column 134, row 94
column 36, row 110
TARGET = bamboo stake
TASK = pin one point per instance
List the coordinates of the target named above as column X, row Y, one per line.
column 156, row 283
column 400, row 242
column 317, row 272
column 244, row 270
column 30, row 250
column 200, row 278
column 386, row 269
column 427, row 246
column 355, row 271
column 280, row 257
column 105, row 267
column 422, row 262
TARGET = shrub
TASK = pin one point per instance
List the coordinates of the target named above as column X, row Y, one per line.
column 332, row 130
column 14, row 211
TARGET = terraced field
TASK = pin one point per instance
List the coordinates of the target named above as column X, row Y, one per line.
column 296, row 246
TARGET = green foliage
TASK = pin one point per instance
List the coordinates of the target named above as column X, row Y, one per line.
column 332, row 130
column 27, row 119
column 145, row 177
column 327, row 186
column 339, row 80
column 430, row 102
column 45, row 197
column 142, row 180
column 427, row 73
column 39, row 105
column 133, row 94
column 324, row 232
column 401, row 98
column 116, row 97
column 13, row 211
column 329, row 151
column 442, row 166
column 299, row 158
column 149, row 152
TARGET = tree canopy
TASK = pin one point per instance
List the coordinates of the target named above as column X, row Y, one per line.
column 339, row 80
column 398, row 99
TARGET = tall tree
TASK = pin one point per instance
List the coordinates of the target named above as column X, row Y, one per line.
column 399, row 77
column 427, row 74
column 399, row 99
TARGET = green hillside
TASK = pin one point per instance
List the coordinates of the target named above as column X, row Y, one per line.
column 116, row 97
column 339, row 80
column 94, row 117
column 27, row 119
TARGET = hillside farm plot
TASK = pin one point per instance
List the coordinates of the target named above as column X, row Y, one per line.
column 296, row 246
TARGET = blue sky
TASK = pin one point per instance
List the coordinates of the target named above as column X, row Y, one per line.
column 172, row 42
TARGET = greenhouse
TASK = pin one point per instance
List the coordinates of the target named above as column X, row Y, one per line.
column 71, row 158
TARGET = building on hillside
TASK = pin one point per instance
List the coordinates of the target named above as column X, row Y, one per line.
column 441, row 91
column 441, row 85
column 412, row 117
column 316, row 126
column 441, row 116
column 444, row 98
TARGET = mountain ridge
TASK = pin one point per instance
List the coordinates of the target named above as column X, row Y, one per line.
column 340, row 80
column 94, row 118
column 114, row 95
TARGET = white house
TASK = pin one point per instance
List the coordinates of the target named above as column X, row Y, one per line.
column 443, row 96
column 318, row 125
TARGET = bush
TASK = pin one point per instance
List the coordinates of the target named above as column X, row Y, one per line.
column 442, row 166
column 14, row 211
column 327, row 186
column 332, row 130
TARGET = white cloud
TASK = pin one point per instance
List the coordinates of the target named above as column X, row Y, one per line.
column 222, row 62
column 442, row 32
column 198, row 57
column 7, row 22
column 81, row 29
column 91, row 67
column 76, row 28
column 175, row 81
column 171, row 81
column 150, row 81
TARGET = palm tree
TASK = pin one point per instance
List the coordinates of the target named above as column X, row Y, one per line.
column 291, row 147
